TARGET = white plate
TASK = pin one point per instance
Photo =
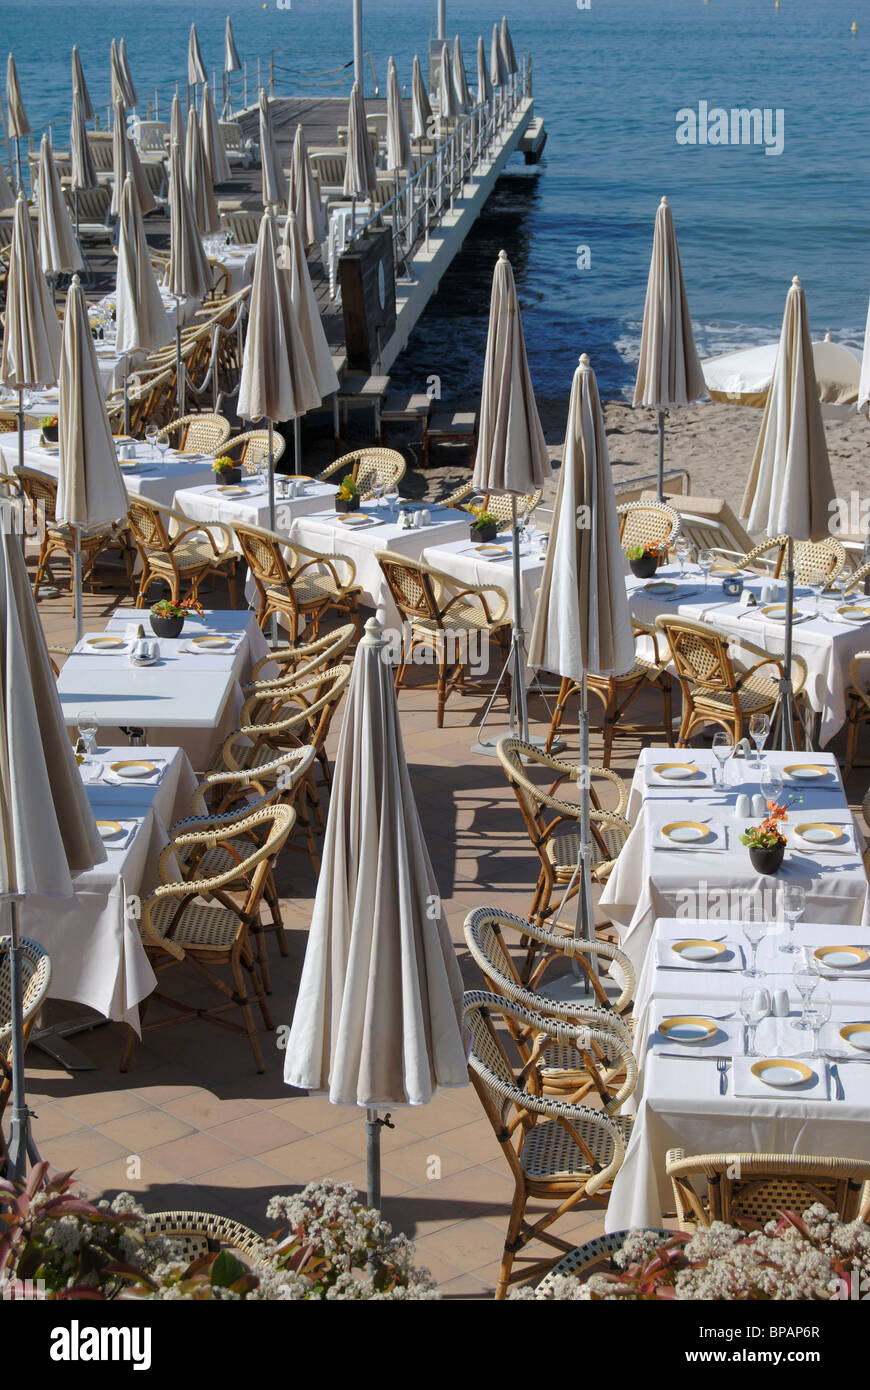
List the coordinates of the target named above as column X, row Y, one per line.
column 676, row 772
column 687, row 834
column 134, row 774
column 807, row 774
column 699, row 952
column 110, row 832
column 776, row 1072
column 841, row 960
column 822, row 835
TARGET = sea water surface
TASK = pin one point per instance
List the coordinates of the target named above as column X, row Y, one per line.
column 608, row 81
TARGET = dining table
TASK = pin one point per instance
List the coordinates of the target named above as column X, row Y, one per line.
column 487, row 564
column 93, row 939
column 247, row 502
column 661, row 873
column 190, row 696
column 825, row 636
column 706, row 1085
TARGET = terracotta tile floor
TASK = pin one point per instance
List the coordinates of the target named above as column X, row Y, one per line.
column 192, row 1125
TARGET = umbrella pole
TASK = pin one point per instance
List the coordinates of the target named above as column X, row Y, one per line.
column 785, row 701
column 20, row 427
column 77, row 582
column 126, row 401
column 518, row 688
column 297, row 444
column 661, row 460
column 21, row 1144
column 273, row 622
column 373, row 1159
column 584, row 924
column 179, row 369
column 20, row 188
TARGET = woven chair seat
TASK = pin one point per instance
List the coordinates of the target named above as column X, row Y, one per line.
column 201, row 925
column 757, row 692
column 311, row 588
column 199, row 1233
column 549, row 1154
column 640, row 668
column 466, row 616
column 560, row 1060
column 563, row 850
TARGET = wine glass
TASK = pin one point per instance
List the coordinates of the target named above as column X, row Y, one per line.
column 722, row 749
column 771, row 783
column 163, row 446
column 683, row 551
column 817, row 1013
column 393, row 501
column 706, row 560
column 752, row 1009
column 87, row 725
column 806, row 979
column 754, row 929
column 759, row 728
column 815, row 587
column 151, row 433
column 793, row 901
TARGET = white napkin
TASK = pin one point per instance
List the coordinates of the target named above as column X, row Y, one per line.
column 727, row 1040
column 81, row 648
column 812, row 847
column 200, row 649
column 150, row 781
column 130, row 826
column 744, row 1083
column 702, row 778
column 669, row 959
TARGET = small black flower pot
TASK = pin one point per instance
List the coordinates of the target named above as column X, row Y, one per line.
column 347, row 504
column 49, row 434
column 166, row 627
column 228, row 476
column 645, row 567
column 767, row 861
column 484, row 533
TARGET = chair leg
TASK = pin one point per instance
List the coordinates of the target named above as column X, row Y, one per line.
column 245, row 1005
column 851, row 737
column 667, row 707
column 511, row 1244
column 558, row 712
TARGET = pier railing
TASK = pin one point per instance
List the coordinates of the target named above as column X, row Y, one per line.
column 423, row 199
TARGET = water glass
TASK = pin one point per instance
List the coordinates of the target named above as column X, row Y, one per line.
column 88, row 727
column 771, row 783
column 793, row 901
column 722, row 750
column 815, row 589
column 817, row 1013
column 754, row 931
column 706, row 560
column 393, row 502
column 752, row 1010
column 759, row 728
column 151, row 433
column 683, row 552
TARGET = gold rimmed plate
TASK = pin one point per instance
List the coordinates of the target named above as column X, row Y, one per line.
column 806, row 772
column 128, row 465
column 133, row 768
column 686, row 832
column 724, row 569
column 854, row 613
column 106, row 644
column 676, row 772
column 782, row 1071
column 211, row 642
column 841, row 957
column 110, row 829
column 491, row 549
column 233, row 490
column 353, row 519
column 778, row 612
column 857, row 1035
column 819, row 832
column 697, row 948
column 688, row 1028
column 660, row 588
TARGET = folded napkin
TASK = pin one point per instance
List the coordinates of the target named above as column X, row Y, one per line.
column 744, row 1083
column 121, row 842
column 81, row 648
column 669, row 959
column 200, row 649
column 848, row 846
column 727, row 1039
column 715, row 841
column 702, row 778
column 150, row 781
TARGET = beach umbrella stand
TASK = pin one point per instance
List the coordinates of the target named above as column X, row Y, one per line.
column 22, row 1146
column 782, row 718
column 374, row 1125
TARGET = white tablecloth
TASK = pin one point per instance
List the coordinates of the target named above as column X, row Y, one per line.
column 324, row 532
column 93, row 939
column 680, row 1103
column 206, row 503
column 648, row 883
column 464, row 561
column 153, row 477
column 827, row 644
column 239, row 261
column 189, row 700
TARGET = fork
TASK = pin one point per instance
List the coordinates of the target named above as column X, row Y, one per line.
column 722, row 1068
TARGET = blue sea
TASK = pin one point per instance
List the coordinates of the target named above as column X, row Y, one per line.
column 608, row 81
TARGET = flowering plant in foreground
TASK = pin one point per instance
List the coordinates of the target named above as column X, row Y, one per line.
column 329, row 1246
column 224, row 464
column 815, row 1257
column 637, row 552
column 767, row 835
column 165, row 608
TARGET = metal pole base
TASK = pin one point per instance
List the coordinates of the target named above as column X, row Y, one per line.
column 374, row 1125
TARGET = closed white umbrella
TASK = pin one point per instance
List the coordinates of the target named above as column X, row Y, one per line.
column 460, row 83
column 176, row 123
column 864, row 380
column 48, row 829
column 7, row 196
column 131, row 98
column 507, row 48
column 399, row 154
column 308, row 320
column 30, row 355
column 276, row 381
column 141, row 321
column 58, row 248
column 484, row 86
column 195, row 66
column 80, row 85
column 274, row 182
column 90, row 489
column 790, row 487
column 125, row 160
column 189, row 275
column 447, row 104
column 497, row 69
column 360, row 176
column 511, row 450
column 213, row 140
column 232, row 61
column 421, row 109
column 83, row 174
column 304, row 195
column 669, row 370
column 377, row 1017
column 17, row 124
column 582, row 621
column 198, row 178
column 120, row 85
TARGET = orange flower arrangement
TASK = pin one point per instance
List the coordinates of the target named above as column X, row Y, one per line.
column 767, row 835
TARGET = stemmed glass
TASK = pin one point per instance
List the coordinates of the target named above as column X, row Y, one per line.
column 393, row 501
column 793, row 901
column 806, row 978
column 163, row 446
column 151, row 433
column 817, row 1014
column 771, row 784
column 754, row 929
column 706, row 560
column 88, row 726
column 752, row 1010
column 722, row 749
column 759, row 728
column 683, row 551
column 379, row 489
column 815, row 587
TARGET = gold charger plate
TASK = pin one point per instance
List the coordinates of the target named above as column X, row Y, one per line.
column 211, row 640
column 144, row 769
column 109, row 644
column 662, row 770
column 854, row 613
column 841, row 957
column 109, row 829
column 233, row 489
column 660, row 586
column 806, row 772
column 782, row 1071
column 688, row 1028
column 777, row 612
column 491, row 549
column 687, row 825
column 823, row 833
column 857, row 1030
column 698, row 948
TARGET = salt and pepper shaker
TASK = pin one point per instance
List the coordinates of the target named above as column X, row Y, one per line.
column 742, row 806
column 759, row 805
column 780, row 1007
column 426, row 516
column 761, row 1002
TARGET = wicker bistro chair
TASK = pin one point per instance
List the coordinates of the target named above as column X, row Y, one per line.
column 198, row 434
column 559, row 1153
column 617, row 693
column 253, row 448
column 293, row 663
column 152, row 399
column 444, row 616
column 179, row 551
column 857, row 708
column 40, row 493
column 815, row 562
column 610, row 1069
column 644, row 523
column 557, row 840
column 713, row 691
column 593, row 1257
column 369, row 468
column 458, row 497
column 296, row 583
column 749, row 1189
column 35, row 979
column 856, row 580
column 200, row 1234
column 498, row 504
column 200, row 922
